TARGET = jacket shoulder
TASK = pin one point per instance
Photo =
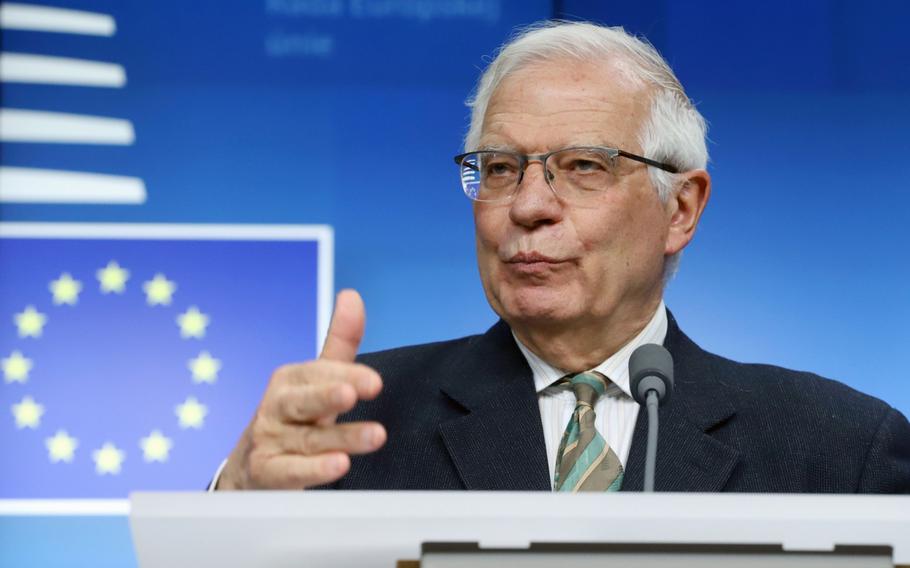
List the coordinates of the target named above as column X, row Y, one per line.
column 794, row 430
column 821, row 397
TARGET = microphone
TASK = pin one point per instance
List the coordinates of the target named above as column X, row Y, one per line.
column 651, row 381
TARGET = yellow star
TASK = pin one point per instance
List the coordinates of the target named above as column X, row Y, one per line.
column 191, row 413
column 30, row 322
column 156, row 447
column 192, row 323
column 205, row 368
column 158, row 290
column 65, row 290
column 108, row 459
column 61, row 447
column 16, row 368
column 112, row 278
column 28, row 413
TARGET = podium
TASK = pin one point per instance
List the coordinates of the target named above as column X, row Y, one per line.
column 405, row 529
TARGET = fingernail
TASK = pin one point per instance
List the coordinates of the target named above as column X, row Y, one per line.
column 336, row 464
column 369, row 436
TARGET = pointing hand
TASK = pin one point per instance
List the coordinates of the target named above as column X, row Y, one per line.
column 293, row 440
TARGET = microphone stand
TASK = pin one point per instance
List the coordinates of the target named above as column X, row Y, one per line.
column 651, row 454
column 651, row 379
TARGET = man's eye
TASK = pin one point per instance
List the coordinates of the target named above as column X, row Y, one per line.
column 499, row 169
column 587, row 166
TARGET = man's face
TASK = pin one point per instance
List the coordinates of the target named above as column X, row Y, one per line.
column 546, row 263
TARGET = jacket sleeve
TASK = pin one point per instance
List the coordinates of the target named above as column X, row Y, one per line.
column 887, row 467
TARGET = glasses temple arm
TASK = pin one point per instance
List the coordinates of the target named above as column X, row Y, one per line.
column 650, row 162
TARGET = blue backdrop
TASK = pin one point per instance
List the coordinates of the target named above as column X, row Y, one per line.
column 304, row 111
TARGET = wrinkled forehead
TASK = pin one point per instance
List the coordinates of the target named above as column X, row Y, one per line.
column 548, row 104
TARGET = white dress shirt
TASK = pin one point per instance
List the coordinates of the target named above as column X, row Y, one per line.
column 615, row 411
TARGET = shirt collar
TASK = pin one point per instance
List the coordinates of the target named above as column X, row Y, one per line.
column 615, row 368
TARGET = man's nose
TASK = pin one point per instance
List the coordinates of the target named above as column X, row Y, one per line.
column 535, row 202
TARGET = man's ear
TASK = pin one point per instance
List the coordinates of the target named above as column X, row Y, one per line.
column 685, row 208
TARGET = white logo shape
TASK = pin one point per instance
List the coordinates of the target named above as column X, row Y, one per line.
column 38, row 185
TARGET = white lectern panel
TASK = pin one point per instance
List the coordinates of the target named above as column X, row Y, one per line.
column 366, row 529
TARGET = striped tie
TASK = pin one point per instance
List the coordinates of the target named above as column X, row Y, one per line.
column 585, row 462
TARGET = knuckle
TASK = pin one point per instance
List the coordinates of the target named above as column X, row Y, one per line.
column 308, row 441
column 276, row 392
column 286, row 402
column 261, row 431
column 324, row 400
column 353, row 436
column 321, row 397
column 318, row 366
column 281, row 374
column 318, row 372
column 294, row 407
column 290, row 373
column 271, row 406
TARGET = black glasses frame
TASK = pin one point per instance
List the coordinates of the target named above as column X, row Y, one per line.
column 525, row 159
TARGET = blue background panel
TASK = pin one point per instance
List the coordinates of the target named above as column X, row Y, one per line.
column 112, row 368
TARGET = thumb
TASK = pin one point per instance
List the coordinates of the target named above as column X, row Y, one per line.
column 346, row 329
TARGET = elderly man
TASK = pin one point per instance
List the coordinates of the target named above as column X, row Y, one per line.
column 586, row 163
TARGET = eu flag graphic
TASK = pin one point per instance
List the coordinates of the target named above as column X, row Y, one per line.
column 134, row 355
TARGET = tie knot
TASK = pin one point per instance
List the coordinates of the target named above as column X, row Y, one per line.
column 588, row 387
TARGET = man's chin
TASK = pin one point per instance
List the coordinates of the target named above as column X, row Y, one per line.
column 538, row 311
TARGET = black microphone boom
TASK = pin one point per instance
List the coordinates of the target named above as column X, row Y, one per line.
column 651, row 382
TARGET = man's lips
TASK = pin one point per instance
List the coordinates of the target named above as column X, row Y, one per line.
column 533, row 258
column 535, row 265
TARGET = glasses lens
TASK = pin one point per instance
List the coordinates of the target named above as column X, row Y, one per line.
column 581, row 172
column 470, row 175
column 489, row 176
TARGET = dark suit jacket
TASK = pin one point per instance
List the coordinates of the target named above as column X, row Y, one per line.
column 463, row 414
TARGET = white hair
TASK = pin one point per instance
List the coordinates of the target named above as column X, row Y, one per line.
column 674, row 132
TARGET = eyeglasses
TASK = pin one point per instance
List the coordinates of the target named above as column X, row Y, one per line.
column 574, row 174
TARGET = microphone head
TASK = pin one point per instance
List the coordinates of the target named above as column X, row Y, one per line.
column 651, row 368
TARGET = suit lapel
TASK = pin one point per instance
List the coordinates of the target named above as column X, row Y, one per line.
column 498, row 444
column 688, row 457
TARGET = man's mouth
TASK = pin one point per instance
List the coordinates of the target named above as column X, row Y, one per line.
column 534, row 264
column 532, row 258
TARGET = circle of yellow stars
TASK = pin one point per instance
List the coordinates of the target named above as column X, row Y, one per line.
column 65, row 291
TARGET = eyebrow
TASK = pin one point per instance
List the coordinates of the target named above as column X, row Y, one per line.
column 590, row 143
column 497, row 148
column 513, row 149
